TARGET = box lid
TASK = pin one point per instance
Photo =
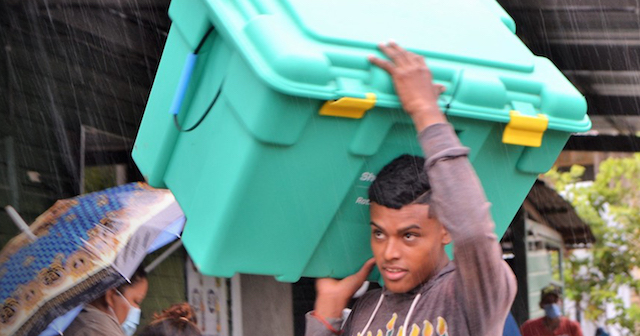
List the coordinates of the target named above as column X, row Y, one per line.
column 319, row 49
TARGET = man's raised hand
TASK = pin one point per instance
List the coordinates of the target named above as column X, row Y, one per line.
column 414, row 85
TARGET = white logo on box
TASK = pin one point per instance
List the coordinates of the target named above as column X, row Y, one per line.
column 367, row 177
column 362, row 201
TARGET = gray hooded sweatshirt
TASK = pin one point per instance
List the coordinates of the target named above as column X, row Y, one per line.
column 470, row 296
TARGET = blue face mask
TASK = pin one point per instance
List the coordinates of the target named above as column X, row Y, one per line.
column 132, row 321
column 552, row 310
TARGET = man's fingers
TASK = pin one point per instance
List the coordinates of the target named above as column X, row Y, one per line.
column 417, row 59
column 364, row 271
column 400, row 55
column 355, row 280
column 396, row 47
column 440, row 89
column 388, row 51
column 393, row 53
column 385, row 65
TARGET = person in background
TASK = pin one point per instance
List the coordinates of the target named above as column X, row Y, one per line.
column 177, row 320
column 511, row 327
column 116, row 313
column 553, row 323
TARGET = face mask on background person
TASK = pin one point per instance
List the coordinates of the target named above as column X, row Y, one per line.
column 552, row 310
column 132, row 321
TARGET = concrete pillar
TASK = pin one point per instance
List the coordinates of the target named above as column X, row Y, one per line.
column 261, row 306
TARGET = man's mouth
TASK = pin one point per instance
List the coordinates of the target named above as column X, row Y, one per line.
column 394, row 273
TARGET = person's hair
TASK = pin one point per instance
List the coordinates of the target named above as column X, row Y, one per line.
column 401, row 182
column 550, row 290
column 138, row 275
column 177, row 320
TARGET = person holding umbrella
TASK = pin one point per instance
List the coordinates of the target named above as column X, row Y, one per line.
column 116, row 313
column 78, row 254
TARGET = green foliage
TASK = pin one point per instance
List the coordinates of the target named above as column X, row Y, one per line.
column 611, row 207
column 98, row 178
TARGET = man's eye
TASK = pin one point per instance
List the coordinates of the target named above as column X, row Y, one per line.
column 378, row 234
column 410, row 236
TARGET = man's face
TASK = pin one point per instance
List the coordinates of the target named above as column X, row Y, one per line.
column 549, row 299
column 407, row 245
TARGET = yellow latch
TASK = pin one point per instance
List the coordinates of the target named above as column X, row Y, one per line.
column 349, row 107
column 525, row 130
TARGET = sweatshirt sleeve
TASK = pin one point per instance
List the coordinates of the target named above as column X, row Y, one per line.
column 486, row 285
column 314, row 327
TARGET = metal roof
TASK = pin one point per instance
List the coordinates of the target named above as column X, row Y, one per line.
column 596, row 44
column 553, row 210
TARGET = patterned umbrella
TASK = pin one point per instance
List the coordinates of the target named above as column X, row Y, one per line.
column 82, row 247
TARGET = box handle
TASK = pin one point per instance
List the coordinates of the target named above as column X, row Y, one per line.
column 525, row 130
column 349, row 107
column 183, row 85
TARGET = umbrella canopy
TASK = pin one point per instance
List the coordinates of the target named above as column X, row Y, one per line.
column 82, row 247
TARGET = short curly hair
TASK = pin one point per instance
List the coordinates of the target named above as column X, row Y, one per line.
column 401, row 182
column 177, row 320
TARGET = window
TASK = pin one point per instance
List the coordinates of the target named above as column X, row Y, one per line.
column 105, row 160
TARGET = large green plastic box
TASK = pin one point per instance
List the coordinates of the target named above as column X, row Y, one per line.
column 271, row 186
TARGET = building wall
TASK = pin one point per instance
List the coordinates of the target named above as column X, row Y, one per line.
column 261, row 306
column 542, row 243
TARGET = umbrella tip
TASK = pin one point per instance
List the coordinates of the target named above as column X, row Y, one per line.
column 19, row 222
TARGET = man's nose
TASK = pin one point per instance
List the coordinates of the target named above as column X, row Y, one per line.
column 392, row 250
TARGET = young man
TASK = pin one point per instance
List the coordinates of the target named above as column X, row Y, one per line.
column 553, row 323
column 417, row 208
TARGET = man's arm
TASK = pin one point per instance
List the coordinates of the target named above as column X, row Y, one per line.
column 332, row 296
column 321, row 327
column 486, row 285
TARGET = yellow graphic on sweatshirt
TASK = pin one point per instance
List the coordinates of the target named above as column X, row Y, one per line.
column 442, row 327
column 415, row 330
column 391, row 325
column 428, row 328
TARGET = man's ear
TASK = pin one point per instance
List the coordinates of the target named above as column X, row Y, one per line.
column 110, row 297
column 446, row 237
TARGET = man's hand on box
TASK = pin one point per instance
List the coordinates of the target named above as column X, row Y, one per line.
column 414, row 85
column 332, row 295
